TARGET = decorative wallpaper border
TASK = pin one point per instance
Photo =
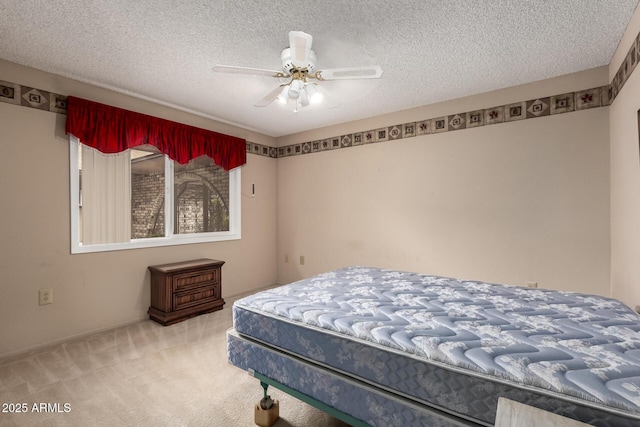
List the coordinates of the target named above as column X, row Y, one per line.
column 603, row 96
column 558, row 104
column 26, row 96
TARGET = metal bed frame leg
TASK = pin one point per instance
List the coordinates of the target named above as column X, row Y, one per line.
column 265, row 382
column 266, row 402
column 267, row 411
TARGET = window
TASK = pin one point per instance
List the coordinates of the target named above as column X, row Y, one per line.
column 140, row 198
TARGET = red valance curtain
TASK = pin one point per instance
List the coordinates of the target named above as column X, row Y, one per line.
column 112, row 130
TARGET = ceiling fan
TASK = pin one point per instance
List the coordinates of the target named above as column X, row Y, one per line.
column 299, row 67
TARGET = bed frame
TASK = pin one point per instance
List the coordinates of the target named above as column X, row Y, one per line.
column 352, row 390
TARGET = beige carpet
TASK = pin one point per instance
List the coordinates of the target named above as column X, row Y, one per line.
column 144, row 374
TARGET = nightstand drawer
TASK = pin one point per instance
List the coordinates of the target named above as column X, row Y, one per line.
column 192, row 280
column 198, row 296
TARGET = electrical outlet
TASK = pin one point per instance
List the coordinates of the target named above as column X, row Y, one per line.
column 45, row 296
column 301, row 259
column 532, row 284
column 286, row 259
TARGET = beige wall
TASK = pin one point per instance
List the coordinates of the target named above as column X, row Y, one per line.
column 100, row 290
column 625, row 178
column 509, row 203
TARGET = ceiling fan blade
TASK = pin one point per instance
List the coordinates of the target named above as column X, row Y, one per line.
column 300, row 45
column 366, row 72
column 269, row 98
column 245, row 70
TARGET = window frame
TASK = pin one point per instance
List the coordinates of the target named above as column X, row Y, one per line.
column 170, row 238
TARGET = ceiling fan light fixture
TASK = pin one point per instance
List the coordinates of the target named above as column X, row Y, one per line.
column 295, row 88
column 304, row 97
column 314, row 95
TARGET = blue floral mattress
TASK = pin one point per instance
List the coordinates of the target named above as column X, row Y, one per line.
column 457, row 346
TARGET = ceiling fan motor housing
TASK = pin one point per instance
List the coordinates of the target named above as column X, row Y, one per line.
column 289, row 68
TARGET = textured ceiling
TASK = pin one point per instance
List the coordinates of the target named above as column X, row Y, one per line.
column 429, row 50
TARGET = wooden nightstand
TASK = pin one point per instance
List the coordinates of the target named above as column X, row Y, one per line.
column 185, row 289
